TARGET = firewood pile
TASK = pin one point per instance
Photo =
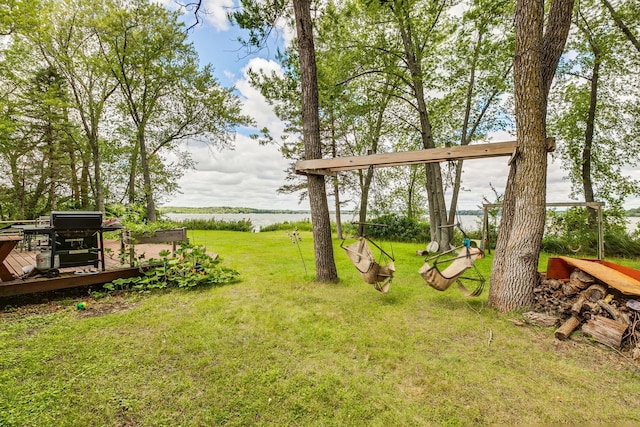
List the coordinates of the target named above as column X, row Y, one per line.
column 602, row 313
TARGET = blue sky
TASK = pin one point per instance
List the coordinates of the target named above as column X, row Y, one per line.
column 249, row 175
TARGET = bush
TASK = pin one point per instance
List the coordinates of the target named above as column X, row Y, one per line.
column 190, row 268
column 398, row 229
column 214, row 224
column 287, row 226
column 571, row 233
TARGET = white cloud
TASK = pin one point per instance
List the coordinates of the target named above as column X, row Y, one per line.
column 247, row 176
column 215, row 13
column 254, row 104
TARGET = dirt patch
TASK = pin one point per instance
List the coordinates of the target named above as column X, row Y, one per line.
column 84, row 305
column 101, row 307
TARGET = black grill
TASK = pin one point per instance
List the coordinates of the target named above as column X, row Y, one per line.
column 76, row 220
column 76, row 238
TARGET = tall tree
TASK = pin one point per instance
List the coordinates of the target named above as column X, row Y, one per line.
column 323, row 247
column 538, row 50
column 167, row 97
column 260, row 19
column 67, row 40
column 409, row 18
column 619, row 19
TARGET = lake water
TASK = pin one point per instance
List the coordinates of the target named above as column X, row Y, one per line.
column 259, row 220
column 467, row 222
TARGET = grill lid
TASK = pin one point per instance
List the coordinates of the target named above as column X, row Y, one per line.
column 76, row 220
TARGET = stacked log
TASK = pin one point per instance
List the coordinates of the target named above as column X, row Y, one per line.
column 603, row 314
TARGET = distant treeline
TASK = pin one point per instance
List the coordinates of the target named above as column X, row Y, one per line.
column 633, row 212
column 225, row 210
column 242, row 210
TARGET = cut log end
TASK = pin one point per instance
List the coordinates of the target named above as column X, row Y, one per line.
column 563, row 332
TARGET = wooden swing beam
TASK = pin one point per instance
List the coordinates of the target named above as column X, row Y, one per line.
column 432, row 155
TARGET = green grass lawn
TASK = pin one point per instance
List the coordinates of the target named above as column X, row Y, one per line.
column 277, row 348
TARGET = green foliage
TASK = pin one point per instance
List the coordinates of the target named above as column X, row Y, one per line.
column 633, row 212
column 571, row 232
column 134, row 218
column 65, row 75
column 223, row 210
column 149, row 228
column 191, row 267
column 288, row 226
column 214, row 224
column 281, row 349
column 596, row 127
column 399, row 229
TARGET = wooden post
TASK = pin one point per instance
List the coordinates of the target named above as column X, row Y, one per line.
column 600, row 234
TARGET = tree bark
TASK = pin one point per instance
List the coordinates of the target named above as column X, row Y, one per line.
column 433, row 174
column 323, row 246
column 515, row 267
column 587, row 183
column 515, row 262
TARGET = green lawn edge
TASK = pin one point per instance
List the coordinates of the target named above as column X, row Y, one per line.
column 278, row 348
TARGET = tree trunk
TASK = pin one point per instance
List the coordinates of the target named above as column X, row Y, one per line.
column 335, row 182
column 587, row 183
column 433, row 174
column 336, row 195
column 53, row 167
column 146, row 179
column 365, row 185
column 323, row 245
column 97, row 176
column 514, row 272
column 133, row 166
column 465, row 137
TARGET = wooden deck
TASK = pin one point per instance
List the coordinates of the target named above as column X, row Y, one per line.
column 70, row 277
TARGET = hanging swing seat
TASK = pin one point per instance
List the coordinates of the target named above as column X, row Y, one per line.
column 372, row 272
column 455, row 265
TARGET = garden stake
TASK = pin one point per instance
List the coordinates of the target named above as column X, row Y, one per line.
column 295, row 238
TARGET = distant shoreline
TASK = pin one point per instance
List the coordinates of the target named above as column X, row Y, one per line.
column 244, row 210
column 227, row 210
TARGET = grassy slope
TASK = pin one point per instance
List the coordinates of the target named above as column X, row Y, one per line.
column 279, row 349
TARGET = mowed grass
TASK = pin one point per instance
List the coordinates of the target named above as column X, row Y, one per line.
column 278, row 348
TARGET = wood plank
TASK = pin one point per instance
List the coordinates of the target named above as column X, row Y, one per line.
column 468, row 152
column 69, row 280
column 16, row 260
column 432, row 155
column 606, row 274
column 406, row 158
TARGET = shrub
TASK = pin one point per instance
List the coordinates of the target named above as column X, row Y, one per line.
column 571, row 233
column 398, row 229
column 190, row 267
column 214, row 224
column 287, row 226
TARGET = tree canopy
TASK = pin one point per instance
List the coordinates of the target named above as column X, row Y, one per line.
column 95, row 95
